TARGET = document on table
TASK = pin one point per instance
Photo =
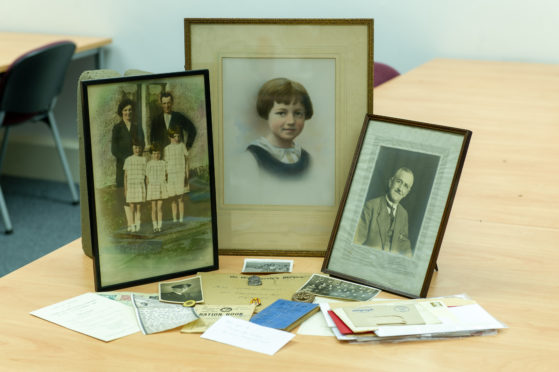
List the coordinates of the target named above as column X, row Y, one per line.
column 316, row 325
column 467, row 318
column 367, row 318
column 234, row 289
column 209, row 314
column 92, row 315
column 247, row 335
column 155, row 316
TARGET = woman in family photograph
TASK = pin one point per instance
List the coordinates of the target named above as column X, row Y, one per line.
column 123, row 134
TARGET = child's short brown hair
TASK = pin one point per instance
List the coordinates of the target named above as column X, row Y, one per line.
column 282, row 90
column 172, row 131
column 137, row 142
column 155, row 147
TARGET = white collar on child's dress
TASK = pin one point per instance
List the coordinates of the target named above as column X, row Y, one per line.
column 288, row 155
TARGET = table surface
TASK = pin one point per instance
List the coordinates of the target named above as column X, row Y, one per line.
column 14, row 44
column 499, row 248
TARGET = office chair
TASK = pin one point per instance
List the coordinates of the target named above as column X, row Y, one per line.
column 383, row 73
column 28, row 92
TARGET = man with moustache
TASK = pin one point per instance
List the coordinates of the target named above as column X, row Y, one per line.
column 384, row 222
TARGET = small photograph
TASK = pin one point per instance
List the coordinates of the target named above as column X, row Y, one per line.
column 254, row 265
column 322, row 285
column 181, row 290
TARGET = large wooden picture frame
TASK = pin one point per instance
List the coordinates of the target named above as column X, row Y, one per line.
column 396, row 204
column 151, row 184
column 264, row 211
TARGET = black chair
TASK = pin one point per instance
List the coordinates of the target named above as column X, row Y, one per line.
column 28, row 92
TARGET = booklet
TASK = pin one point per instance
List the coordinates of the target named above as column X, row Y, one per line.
column 285, row 314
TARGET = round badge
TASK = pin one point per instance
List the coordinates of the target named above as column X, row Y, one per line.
column 303, row 296
column 189, row 303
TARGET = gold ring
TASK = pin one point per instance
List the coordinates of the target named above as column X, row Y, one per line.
column 189, row 303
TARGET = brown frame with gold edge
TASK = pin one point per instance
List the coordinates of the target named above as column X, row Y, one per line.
column 396, row 252
column 300, row 49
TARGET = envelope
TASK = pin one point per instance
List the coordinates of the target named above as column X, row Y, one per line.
column 366, row 318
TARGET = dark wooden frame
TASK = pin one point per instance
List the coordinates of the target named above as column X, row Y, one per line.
column 334, row 266
column 254, row 241
column 199, row 79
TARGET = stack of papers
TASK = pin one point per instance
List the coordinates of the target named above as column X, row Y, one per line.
column 407, row 320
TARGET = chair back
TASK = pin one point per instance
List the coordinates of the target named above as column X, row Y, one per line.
column 35, row 79
column 383, row 73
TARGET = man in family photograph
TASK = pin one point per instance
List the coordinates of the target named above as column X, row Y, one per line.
column 169, row 119
column 384, row 221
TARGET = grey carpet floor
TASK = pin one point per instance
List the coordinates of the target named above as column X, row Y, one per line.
column 43, row 219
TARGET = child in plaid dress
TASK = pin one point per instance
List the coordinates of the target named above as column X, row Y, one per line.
column 157, row 189
column 135, row 184
column 176, row 159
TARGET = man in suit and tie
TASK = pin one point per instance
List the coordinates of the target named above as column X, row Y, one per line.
column 169, row 119
column 384, row 222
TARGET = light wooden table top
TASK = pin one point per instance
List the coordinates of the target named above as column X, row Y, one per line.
column 14, row 44
column 499, row 248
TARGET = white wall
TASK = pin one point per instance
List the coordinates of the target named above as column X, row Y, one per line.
column 148, row 34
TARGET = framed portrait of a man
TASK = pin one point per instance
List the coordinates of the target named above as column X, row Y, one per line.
column 290, row 95
column 149, row 166
column 396, row 204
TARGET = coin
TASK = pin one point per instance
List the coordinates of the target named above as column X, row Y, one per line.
column 303, row 296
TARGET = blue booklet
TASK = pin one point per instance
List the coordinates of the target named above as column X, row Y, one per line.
column 284, row 314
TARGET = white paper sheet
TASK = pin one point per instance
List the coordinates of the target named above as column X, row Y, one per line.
column 92, row 315
column 155, row 316
column 247, row 335
column 316, row 325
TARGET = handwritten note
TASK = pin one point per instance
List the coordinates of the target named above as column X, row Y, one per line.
column 247, row 335
column 93, row 315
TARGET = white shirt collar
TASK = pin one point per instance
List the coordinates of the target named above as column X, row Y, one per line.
column 288, row 155
column 391, row 205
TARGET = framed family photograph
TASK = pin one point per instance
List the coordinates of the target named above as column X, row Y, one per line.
column 149, row 167
column 396, row 204
column 289, row 95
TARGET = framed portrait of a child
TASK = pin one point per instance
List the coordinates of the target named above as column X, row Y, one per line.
column 150, row 177
column 289, row 96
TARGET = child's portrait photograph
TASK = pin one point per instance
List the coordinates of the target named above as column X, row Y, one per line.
column 279, row 131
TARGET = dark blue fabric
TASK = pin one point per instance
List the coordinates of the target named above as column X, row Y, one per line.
column 267, row 162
